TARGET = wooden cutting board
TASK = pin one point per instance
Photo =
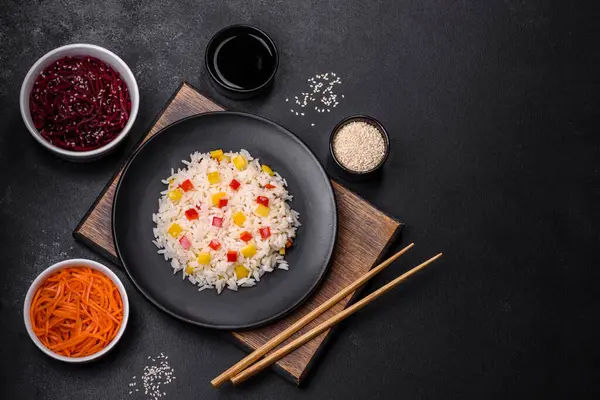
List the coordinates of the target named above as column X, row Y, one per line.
column 364, row 235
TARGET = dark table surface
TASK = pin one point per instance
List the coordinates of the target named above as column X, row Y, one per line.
column 491, row 107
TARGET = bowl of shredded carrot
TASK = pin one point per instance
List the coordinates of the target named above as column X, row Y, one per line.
column 76, row 310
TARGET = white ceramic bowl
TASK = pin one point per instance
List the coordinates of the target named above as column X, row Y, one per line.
column 75, row 263
column 79, row 49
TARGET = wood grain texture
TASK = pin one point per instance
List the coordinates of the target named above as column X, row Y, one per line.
column 363, row 237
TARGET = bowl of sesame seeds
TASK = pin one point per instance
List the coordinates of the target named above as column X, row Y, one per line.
column 79, row 101
column 359, row 145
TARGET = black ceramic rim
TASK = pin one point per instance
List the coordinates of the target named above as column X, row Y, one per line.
column 265, row 321
column 368, row 120
column 264, row 35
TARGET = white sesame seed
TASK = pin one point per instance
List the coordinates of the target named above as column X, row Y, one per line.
column 359, row 146
column 155, row 376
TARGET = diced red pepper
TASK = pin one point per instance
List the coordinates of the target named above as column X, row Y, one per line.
column 186, row 185
column 235, row 185
column 218, row 222
column 246, row 236
column 263, row 200
column 288, row 243
column 231, row 255
column 269, row 186
column 214, row 244
column 185, row 243
column 265, row 232
column 191, row 214
column 223, row 202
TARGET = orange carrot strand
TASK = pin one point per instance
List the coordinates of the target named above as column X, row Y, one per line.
column 76, row 312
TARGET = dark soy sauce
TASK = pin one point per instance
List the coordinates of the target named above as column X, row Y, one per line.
column 244, row 61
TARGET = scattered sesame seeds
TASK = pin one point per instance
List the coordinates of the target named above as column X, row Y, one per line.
column 155, row 375
column 321, row 96
column 359, row 146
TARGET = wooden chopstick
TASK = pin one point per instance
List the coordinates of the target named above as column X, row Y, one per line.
column 284, row 335
column 285, row 350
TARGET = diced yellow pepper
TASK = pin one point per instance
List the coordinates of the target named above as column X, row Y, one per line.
column 240, row 162
column 213, row 178
column 239, row 218
column 175, row 195
column 203, row 258
column 216, row 197
column 241, row 271
column 262, row 210
column 216, row 154
column 189, row 270
column 282, row 251
column 249, row 250
column 267, row 170
column 175, row 230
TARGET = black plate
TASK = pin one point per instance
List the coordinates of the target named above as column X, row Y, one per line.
column 278, row 292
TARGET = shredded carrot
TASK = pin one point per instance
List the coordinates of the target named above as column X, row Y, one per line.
column 76, row 312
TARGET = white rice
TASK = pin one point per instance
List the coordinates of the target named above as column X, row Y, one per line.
column 219, row 273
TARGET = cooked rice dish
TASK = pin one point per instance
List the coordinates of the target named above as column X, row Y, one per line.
column 224, row 220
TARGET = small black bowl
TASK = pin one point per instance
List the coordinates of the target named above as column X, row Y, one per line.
column 358, row 175
column 242, row 61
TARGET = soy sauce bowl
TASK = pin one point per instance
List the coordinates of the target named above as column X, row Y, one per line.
column 242, row 61
column 351, row 174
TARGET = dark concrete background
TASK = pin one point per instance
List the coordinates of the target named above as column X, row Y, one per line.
column 492, row 110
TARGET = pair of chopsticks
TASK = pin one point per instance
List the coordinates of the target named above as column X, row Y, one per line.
column 244, row 369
